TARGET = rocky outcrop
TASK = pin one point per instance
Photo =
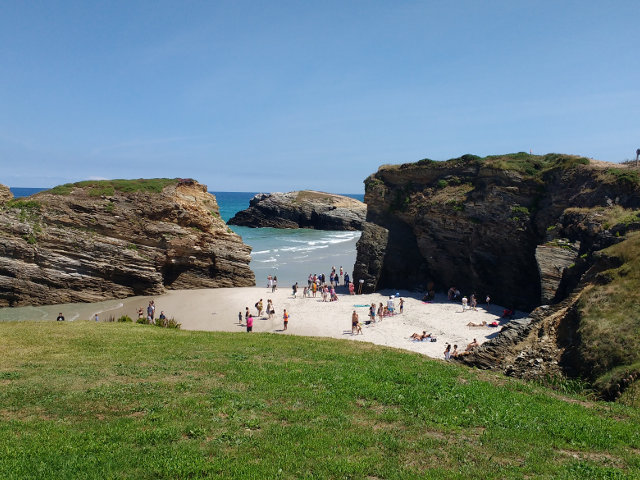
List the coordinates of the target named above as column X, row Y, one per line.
column 476, row 223
column 5, row 194
column 303, row 209
column 553, row 259
column 93, row 241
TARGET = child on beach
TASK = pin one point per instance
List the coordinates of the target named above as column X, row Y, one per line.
column 239, row 318
column 285, row 318
column 401, row 305
column 249, row 323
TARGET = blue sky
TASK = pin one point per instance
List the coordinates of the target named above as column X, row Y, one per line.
column 287, row 95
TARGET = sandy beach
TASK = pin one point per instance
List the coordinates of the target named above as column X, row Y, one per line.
column 217, row 310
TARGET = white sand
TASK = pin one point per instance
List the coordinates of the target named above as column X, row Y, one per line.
column 217, row 310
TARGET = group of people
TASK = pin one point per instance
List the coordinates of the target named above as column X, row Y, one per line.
column 471, row 303
column 448, row 353
column 260, row 309
column 150, row 314
column 376, row 311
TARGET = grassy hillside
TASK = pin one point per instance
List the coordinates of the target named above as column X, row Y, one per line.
column 97, row 188
column 610, row 321
column 86, row 400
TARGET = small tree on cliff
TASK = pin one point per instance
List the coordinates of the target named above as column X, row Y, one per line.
column 637, row 155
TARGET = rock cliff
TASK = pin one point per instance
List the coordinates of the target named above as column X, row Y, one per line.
column 92, row 241
column 554, row 231
column 303, row 209
column 477, row 223
column 5, row 194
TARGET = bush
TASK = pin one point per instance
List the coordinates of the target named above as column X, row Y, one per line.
column 124, row 318
column 167, row 323
column 142, row 321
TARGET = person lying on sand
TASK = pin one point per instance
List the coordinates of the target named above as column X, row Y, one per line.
column 417, row 336
column 483, row 324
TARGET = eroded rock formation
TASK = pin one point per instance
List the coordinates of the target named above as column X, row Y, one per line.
column 557, row 231
column 93, row 241
column 5, row 194
column 303, row 209
column 477, row 223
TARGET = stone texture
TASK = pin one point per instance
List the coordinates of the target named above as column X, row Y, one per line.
column 553, row 259
column 477, row 227
column 5, row 194
column 303, row 209
column 83, row 248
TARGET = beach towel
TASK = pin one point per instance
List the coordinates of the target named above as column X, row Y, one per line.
column 356, row 306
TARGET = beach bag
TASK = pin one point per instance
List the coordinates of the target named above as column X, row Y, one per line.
column 434, row 339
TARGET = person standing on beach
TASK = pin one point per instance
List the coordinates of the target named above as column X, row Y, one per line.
column 274, row 285
column 401, row 305
column 354, row 322
column 250, row 323
column 246, row 313
column 259, row 306
column 447, row 352
column 464, row 303
column 294, row 289
column 239, row 318
column 285, row 318
column 60, row 317
column 372, row 313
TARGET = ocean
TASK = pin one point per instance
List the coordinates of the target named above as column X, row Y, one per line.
column 289, row 254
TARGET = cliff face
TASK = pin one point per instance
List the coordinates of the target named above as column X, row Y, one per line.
column 5, row 194
column 479, row 223
column 303, row 209
column 93, row 241
column 557, row 231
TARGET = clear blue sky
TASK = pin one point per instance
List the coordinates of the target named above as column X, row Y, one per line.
column 286, row 95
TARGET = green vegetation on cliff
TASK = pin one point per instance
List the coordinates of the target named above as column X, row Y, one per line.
column 119, row 400
column 109, row 187
column 610, row 321
column 527, row 164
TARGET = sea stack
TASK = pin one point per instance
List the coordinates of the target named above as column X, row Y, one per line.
column 97, row 240
column 303, row 209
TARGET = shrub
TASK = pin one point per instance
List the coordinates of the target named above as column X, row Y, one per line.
column 142, row 321
column 442, row 183
column 125, row 318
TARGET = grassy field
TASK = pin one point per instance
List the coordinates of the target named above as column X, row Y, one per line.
column 109, row 400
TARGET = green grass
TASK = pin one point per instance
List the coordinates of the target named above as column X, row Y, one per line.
column 120, row 400
column 99, row 188
column 610, row 322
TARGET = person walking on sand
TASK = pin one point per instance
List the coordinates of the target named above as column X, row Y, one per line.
column 246, row 314
column 354, row 322
column 294, row 289
column 474, row 302
column 401, row 305
column 239, row 318
column 250, row 323
column 464, row 303
column 285, row 319
column 259, row 306
column 372, row 313
column 274, row 284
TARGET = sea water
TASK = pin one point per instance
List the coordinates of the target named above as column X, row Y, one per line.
column 289, row 254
